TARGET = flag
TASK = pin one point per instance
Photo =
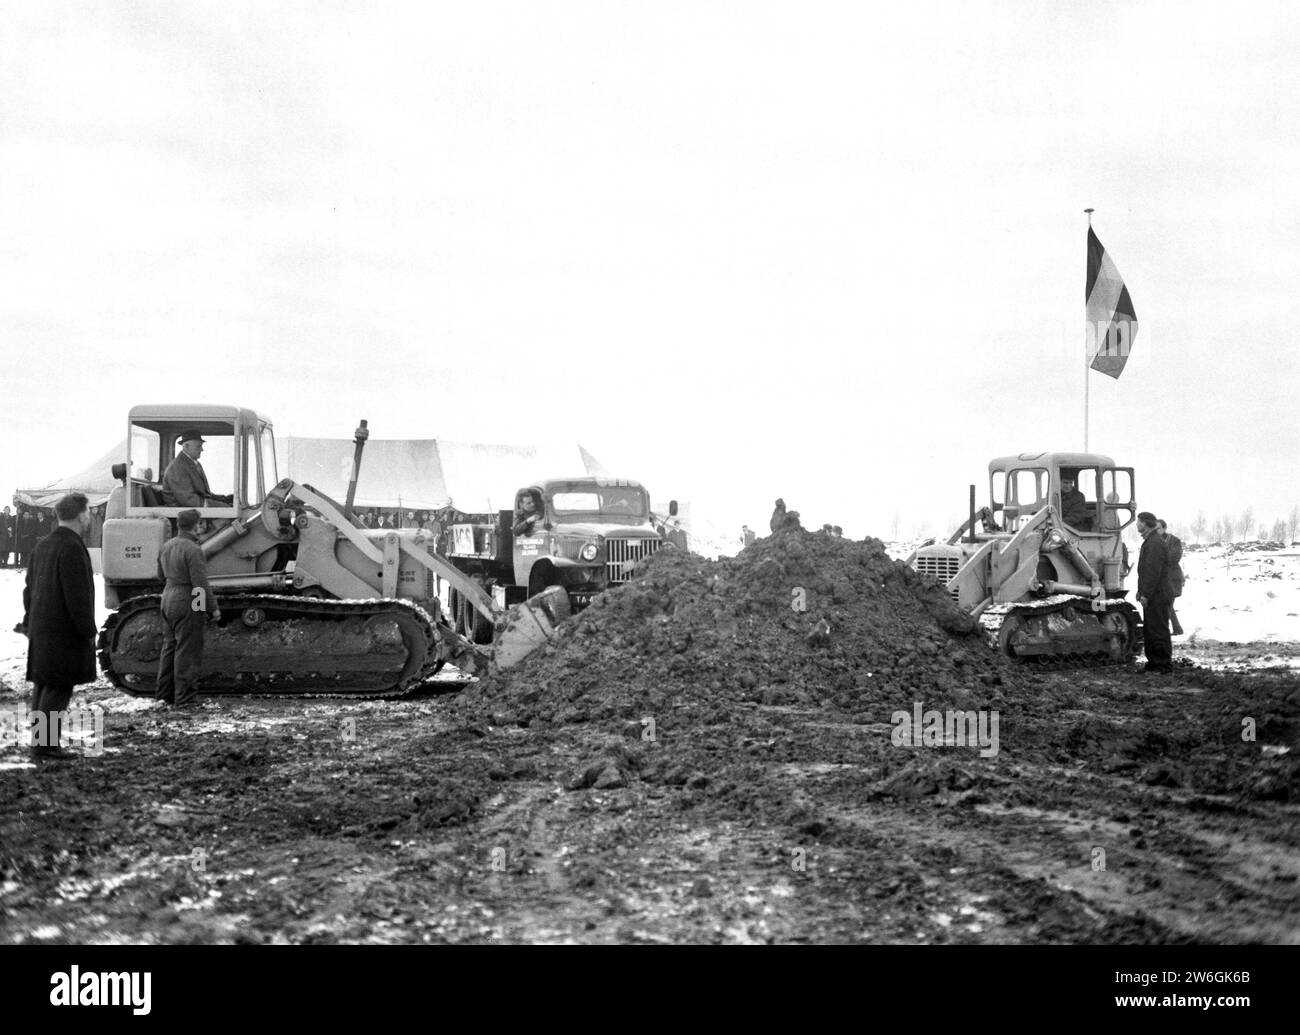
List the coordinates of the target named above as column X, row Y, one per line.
column 1112, row 321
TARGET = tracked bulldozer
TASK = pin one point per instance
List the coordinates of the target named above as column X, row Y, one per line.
column 1042, row 566
column 312, row 602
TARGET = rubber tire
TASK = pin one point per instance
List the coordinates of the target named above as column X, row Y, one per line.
column 454, row 612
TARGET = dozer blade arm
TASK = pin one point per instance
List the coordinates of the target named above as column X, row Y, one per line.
column 1015, row 565
column 328, row 510
column 970, row 582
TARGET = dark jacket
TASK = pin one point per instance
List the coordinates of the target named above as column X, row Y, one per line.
column 185, row 483
column 26, row 529
column 1153, row 569
column 6, row 532
column 1075, row 511
column 1175, row 577
column 59, row 612
column 184, row 567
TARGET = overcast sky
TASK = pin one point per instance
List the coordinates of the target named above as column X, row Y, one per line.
column 831, row 252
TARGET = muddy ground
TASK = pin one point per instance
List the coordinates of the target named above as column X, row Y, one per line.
column 685, row 765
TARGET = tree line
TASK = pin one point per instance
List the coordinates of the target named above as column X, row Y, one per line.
column 1231, row 528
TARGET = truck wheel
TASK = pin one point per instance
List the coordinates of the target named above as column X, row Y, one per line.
column 454, row 615
column 543, row 576
column 479, row 628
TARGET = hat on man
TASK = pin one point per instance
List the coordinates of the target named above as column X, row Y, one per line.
column 188, row 519
column 191, row 435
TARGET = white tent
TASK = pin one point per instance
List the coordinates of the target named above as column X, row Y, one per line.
column 416, row 474
column 96, row 481
column 430, row 474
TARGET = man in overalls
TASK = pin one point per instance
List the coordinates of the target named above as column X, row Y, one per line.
column 187, row 601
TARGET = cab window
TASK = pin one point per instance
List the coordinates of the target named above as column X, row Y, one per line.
column 1027, row 489
column 270, row 478
column 145, row 450
column 1117, row 495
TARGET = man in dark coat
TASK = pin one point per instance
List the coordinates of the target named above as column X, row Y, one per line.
column 1174, row 548
column 187, row 601
column 778, row 516
column 6, row 537
column 25, row 533
column 59, row 620
column 1153, row 595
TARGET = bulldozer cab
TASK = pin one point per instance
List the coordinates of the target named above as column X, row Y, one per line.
column 1091, row 495
column 238, row 460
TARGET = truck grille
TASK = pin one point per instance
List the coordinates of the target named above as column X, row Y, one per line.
column 622, row 555
column 940, row 567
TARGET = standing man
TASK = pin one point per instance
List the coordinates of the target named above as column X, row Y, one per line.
column 1174, row 548
column 747, row 536
column 778, row 516
column 187, row 601
column 25, row 532
column 1153, row 595
column 6, row 537
column 59, row 620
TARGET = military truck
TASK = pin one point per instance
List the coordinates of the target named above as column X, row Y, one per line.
column 583, row 534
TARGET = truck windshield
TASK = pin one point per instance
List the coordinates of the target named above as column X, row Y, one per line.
column 612, row 503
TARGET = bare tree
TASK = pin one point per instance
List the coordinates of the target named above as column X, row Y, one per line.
column 1246, row 523
column 1293, row 522
column 1216, row 531
column 1279, row 531
column 894, row 527
column 1199, row 525
column 1229, row 527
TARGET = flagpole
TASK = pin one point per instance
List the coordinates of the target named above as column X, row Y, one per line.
column 1087, row 361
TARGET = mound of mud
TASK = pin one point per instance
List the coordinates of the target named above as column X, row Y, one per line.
column 798, row 618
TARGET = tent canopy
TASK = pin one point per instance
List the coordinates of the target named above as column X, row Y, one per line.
column 430, row 474
column 415, row 474
column 96, row 481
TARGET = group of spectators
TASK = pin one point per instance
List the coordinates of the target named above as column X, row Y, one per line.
column 377, row 517
column 19, row 533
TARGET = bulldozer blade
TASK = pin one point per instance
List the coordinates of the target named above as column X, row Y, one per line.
column 460, row 652
column 530, row 625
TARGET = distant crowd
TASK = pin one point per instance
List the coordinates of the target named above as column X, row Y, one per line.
column 21, row 531
column 378, row 517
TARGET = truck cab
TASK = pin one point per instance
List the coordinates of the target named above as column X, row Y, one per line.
column 585, row 534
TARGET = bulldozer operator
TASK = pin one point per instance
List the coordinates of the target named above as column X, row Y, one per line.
column 185, row 484
column 1075, row 510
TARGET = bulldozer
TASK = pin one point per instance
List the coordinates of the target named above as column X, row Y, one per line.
column 1042, row 565
column 312, row 602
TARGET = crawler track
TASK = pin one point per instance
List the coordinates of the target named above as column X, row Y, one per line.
column 283, row 646
column 1063, row 632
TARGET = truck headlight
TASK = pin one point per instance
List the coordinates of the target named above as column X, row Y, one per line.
column 589, row 552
